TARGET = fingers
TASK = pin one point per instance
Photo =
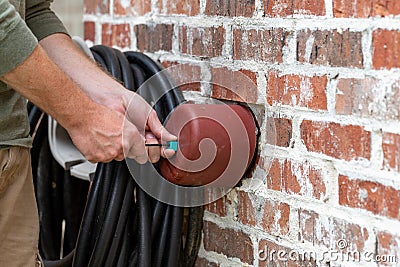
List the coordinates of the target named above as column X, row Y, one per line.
column 157, row 129
column 110, row 136
column 167, row 153
column 139, row 117
column 134, row 144
column 161, row 133
column 152, row 151
column 141, row 114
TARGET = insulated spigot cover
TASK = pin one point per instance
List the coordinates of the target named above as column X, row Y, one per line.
column 216, row 141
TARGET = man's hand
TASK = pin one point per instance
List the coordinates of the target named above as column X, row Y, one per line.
column 98, row 136
column 100, row 133
column 106, row 91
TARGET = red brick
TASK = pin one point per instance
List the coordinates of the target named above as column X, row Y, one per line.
column 307, row 225
column 202, row 42
column 230, row 8
column 276, row 218
column 283, row 131
column 327, row 231
column 201, row 262
column 180, row 7
column 331, row 48
column 353, row 96
column 368, row 97
column 135, row 7
column 218, row 207
column 185, row 75
column 89, row 31
column 238, row 85
column 296, row 178
column 270, row 252
column 116, row 35
column 386, row 49
column 259, row 44
column 96, row 6
column 152, row 38
column 388, row 247
column 365, row 8
column 372, row 196
column 230, row 242
column 391, row 151
column 246, row 211
column 285, row 8
column 347, row 142
column 297, row 90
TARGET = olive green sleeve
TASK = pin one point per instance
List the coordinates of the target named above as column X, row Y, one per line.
column 16, row 40
column 41, row 19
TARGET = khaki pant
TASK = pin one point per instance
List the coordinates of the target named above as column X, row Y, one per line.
column 19, row 222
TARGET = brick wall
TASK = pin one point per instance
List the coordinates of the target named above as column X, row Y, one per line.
column 327, row 73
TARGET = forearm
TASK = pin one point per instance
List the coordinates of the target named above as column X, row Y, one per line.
column 98, row 85
column 101, row 87
column 47, row 86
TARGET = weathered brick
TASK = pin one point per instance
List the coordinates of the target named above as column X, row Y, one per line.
column 353, row 96
column 300, row 178
column 259, row 44
column 368, row 97
column 186, row 76
column 386, row 49
column 230, row 242
column 89, row 31
column 132, row 7
column 281, row 256
column 202, row 42
column 218, row 207
column 152, row 38
column 285, row 8
column 388, row 249
column 238, row 85
column 96, row 6
column 371, row 196
column 230, row 8
column 330, row 48
column 297, row 90
column 347, row 142
column 326, row 231
column 365, row 8
column 283, row 131
column 181, row 7
column 391, row 151
column 116, row 35
column 276, row 218
column 246, row 211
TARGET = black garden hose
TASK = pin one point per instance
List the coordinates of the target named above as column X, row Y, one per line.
column 120, row 224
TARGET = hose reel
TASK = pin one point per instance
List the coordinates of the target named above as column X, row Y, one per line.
column 118, row 223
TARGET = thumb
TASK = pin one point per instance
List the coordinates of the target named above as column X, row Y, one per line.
column 157, row 129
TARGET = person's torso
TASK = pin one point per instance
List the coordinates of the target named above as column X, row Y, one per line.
column 14, row 123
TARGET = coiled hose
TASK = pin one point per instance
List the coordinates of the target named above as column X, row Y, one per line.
column 116, row 223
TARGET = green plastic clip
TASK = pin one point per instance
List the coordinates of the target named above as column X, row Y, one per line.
column 173, row 145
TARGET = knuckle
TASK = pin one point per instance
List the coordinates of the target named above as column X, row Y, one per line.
column 141, row 160
column 113, row 154
column 154, row 159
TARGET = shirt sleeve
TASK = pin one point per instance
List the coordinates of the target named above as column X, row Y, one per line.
column 16, row 40
column 42, row 20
